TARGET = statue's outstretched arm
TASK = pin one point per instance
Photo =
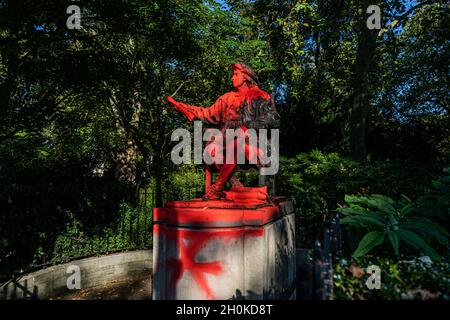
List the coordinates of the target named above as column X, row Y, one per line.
column 210, row 114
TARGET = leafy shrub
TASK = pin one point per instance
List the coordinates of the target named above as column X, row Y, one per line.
column 132, row 230
column 418, row 278
column 318, row 183
column 436, row 203
column 420, row 224
column 185, row 183
column 393, row 221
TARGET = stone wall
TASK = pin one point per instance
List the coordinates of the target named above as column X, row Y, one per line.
column 95, row 272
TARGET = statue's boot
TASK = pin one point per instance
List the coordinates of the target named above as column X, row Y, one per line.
column 216, row 190
column 235, row 182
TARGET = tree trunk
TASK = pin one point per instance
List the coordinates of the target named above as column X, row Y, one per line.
column 126, row 166
column 361, row 89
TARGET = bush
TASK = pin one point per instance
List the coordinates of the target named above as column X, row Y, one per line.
column 386, row 220
column 131, row 231
column 187, row 182
column 381, row 218
column 436, row 203
column 412, row 277
column 318, row 183
column 419, row 278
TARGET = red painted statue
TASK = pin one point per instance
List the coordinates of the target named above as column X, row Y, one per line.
column 246, row 107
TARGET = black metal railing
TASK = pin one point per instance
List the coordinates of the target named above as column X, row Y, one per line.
column 315, row 265
column 105, row 229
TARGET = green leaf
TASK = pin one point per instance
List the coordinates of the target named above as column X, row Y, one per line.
column 352, row 199
column 361, row 220
column 417, row 242
column 382, row 198
column 382, row 203
column 440, row 186
column 427, row 228
column 393, row 237
column 368, row 242
column 352, row 212
column 406, row 198
column 407, row 209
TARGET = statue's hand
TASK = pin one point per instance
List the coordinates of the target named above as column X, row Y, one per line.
column 171, row 100
column 180, row 107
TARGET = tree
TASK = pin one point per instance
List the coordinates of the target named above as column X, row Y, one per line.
column 361, row 90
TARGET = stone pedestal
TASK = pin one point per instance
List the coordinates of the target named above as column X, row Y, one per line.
column 224, row 250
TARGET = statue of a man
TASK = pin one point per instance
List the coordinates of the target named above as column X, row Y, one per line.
column 245, row 107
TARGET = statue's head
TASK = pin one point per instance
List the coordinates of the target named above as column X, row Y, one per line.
column 243, row 74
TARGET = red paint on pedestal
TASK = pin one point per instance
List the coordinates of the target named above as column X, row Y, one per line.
column 189, row 243
column 184, row 228
column 218, row 213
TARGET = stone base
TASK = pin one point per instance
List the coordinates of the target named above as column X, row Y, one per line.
column 224, row 250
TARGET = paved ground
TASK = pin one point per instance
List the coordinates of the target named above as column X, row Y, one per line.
column 137, row 289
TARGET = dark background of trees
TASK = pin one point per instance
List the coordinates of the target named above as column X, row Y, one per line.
column 84, row 125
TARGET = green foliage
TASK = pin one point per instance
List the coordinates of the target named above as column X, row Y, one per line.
column 314, row 45
column 131, row 231
column 419, row 278
column 395, row 222
column 436, row 203
column 318, row 182
column 370, row 240
column 187, row 182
